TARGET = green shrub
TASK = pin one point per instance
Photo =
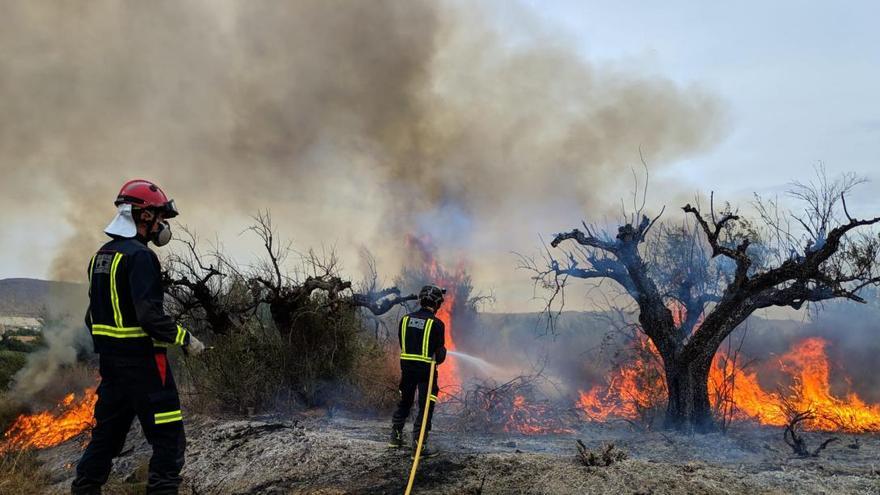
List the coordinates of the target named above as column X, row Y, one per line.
column 10, row 363
column 10, row 344
column 242, row 370
column 326, row 359
column 374, row 380
column 321, row 350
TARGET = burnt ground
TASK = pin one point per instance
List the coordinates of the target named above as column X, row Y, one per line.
column 345, row 455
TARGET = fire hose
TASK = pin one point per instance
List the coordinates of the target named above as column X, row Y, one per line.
column 415, row 466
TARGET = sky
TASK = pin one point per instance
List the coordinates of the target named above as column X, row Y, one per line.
column 799, row 79
column 795, row 83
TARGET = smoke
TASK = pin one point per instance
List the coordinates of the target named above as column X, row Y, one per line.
column 65, row 337
column 43, row 366
column 355, row 122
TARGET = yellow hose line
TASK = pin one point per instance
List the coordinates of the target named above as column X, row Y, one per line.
column 415, row 466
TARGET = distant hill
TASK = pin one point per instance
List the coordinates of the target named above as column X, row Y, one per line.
column 30, row 297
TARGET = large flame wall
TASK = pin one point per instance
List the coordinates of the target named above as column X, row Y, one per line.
column 637, row 386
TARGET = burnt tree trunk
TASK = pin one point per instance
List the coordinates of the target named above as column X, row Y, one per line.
column 686, row 369
column 687, row 384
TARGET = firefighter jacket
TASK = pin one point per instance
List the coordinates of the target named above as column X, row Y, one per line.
column 422, row 337
column 126, row 316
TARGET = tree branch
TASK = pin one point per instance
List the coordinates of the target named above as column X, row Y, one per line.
column 587, row 239
column 381, row 302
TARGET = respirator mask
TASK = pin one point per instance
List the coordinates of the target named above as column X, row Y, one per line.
column 163, row 235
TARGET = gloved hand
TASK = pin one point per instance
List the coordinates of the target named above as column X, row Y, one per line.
column 195, row 346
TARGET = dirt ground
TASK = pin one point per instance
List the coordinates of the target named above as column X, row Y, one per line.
column 345, row 455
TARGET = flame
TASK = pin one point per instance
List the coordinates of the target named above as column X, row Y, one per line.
column 808, row 366
column 449, row 378
column 521, row 414
column 70, row 417
column 638, row 385
column 634, row 387
column 448, row 375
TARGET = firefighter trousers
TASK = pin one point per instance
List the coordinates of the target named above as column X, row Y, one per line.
column 141, row 387
column 410, row 382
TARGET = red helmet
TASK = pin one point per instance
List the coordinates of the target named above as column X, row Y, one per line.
column 141, row 193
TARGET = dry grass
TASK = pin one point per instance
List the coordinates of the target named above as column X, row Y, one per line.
column 608, row 455
column 21, row 473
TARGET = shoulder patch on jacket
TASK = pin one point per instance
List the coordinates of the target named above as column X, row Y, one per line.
column 416, row 323
column 103, row 262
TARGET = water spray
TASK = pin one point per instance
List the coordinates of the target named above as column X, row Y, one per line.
column 480, row 363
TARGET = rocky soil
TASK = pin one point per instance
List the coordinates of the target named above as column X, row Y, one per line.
column 345, row 455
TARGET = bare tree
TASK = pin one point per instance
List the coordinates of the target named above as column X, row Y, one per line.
column 206, row 287
column 744, row 269
column 287, row 296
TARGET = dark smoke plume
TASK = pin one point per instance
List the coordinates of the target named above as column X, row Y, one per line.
column 356, row 122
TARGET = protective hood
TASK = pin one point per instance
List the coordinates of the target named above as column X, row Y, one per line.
column 123, row 223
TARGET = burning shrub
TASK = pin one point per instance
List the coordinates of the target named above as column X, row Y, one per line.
column 511, row 407
column 52, row 416
column 635, row 390
column 72, row 416
column 9, row 410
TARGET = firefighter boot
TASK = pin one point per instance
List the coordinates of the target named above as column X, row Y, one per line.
column 427, row 450
column 395, row 441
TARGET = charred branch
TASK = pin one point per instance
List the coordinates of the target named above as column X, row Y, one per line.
column 203, row 291
column 383, row 301
column 287, row 297
column 625, row 265
column 792, row 437
column 713, row 232
column 588, row 239
column 200, row 295
column 512, row 406
column 263, row 228
column 795, row 282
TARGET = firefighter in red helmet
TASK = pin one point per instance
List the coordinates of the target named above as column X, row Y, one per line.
column 131, row 333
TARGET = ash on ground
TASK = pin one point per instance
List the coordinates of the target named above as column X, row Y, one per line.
column 348, row 455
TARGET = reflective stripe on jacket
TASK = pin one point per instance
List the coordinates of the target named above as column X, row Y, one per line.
column 422, row 338
column 126, row 314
